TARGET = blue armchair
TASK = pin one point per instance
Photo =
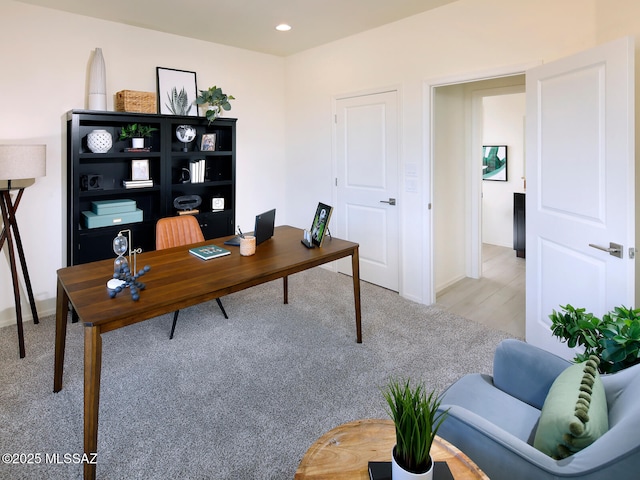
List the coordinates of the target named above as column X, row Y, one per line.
column 493, row 419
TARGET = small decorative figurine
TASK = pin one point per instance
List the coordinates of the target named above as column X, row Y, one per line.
column 125, row 280
column 122, row 276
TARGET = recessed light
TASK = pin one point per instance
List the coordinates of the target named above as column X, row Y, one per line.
column 283, row 27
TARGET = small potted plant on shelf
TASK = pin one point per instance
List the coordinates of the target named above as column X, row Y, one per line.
column 136, row 133
column 216, row 100
column 417, row 420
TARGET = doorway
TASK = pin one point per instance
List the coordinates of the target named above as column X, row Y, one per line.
column 480, row 280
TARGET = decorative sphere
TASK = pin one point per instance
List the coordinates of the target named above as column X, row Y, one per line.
column 185, row 133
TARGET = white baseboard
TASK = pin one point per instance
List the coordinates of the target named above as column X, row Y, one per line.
column 439, row 288
column 45, row 308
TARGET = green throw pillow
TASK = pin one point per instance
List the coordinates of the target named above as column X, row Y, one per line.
column 574, row 413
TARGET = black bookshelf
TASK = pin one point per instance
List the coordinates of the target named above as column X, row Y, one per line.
column 167, row 162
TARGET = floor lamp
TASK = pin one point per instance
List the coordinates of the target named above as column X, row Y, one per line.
column 19, row 165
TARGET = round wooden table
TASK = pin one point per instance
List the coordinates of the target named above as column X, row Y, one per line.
column 344, row 453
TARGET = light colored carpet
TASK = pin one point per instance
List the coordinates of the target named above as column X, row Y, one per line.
column 241, row 398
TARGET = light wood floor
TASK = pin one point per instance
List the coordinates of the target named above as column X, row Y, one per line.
column 498, row 298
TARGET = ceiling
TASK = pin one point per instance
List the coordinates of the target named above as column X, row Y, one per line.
column 250, row 24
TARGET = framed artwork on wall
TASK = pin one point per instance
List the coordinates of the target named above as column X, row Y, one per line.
column 177, row 92
column 494, row 163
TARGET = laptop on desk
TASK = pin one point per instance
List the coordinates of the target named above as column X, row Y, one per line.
column 263, row 229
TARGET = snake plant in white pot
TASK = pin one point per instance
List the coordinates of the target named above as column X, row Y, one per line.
column 417, row 420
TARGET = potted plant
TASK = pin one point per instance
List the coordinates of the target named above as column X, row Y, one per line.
column 136, row 133
column 615, row 338
column 417, row 420
column 216, row 100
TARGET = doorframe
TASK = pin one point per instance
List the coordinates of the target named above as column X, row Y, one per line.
column 334, row 164
column 472, row 246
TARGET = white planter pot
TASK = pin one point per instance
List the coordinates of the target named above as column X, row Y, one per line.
column 137, row 142
column 216, row 110
column 99, row 141
column 399, row 473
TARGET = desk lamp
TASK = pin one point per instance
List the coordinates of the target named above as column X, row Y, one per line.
column 19, row 165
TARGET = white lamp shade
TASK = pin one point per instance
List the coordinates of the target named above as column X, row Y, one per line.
column 20, row 162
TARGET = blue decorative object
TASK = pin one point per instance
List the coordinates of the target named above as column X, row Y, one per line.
column 130, row 281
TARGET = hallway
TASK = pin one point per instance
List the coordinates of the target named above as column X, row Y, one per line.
column 498, row 298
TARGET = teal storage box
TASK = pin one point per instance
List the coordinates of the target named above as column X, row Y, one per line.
column 108, row 207
column 91, row 220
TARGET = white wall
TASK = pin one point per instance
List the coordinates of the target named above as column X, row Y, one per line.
column 503, row 124
column 284, row 105
column 44, row 56
column 450, row 194
column 457, row 40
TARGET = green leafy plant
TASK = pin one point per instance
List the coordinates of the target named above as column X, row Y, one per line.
column 417, row 420
column 136, row 131
column 214, row 97
column 615, row 338
column 178, row 102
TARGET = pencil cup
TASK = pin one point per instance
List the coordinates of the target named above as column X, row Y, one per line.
column 247, row 245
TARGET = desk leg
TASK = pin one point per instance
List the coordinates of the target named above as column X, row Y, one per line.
column 285, row 286
column 355, row 265
column 62, row 309
column 92, row 368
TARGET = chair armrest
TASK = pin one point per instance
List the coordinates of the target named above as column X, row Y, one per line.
column 525, row 371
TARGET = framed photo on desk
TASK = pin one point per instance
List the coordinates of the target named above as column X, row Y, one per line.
column 320, row 224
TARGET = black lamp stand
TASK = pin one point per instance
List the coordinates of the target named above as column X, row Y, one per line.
column 10, row 224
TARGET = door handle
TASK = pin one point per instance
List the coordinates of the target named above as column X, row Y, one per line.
column 391, row 201
column 614, row 249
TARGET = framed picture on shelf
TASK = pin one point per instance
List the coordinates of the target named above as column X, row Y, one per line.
column 320, row 224
column 177, row 92
column 208, row 143
column 140, row 169
column 494, row 163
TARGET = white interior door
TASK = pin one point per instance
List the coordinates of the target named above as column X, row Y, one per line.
column 367, row 183
column 581, row 187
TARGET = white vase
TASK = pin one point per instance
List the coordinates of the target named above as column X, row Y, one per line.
column 399, row 473
column 99, row 141
column 97, row 82
column 137, row 142
column 216, row 109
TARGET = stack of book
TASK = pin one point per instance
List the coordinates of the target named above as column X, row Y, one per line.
column 137, row 183
column 197, row 170
column 143, row 149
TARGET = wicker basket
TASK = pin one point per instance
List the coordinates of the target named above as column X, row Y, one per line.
column 138, row 102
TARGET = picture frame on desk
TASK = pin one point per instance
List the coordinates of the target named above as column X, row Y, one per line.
column 320, row 224
column 177, row 92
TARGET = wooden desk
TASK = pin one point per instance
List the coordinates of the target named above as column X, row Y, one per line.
column 344, row 453
column 176, row 280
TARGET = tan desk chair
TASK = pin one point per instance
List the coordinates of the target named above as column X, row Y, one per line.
column 177, row 231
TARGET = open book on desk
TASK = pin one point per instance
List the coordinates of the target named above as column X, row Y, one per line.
column 207, row 252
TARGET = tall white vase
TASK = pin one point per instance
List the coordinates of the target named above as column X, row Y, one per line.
column 97, row 82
